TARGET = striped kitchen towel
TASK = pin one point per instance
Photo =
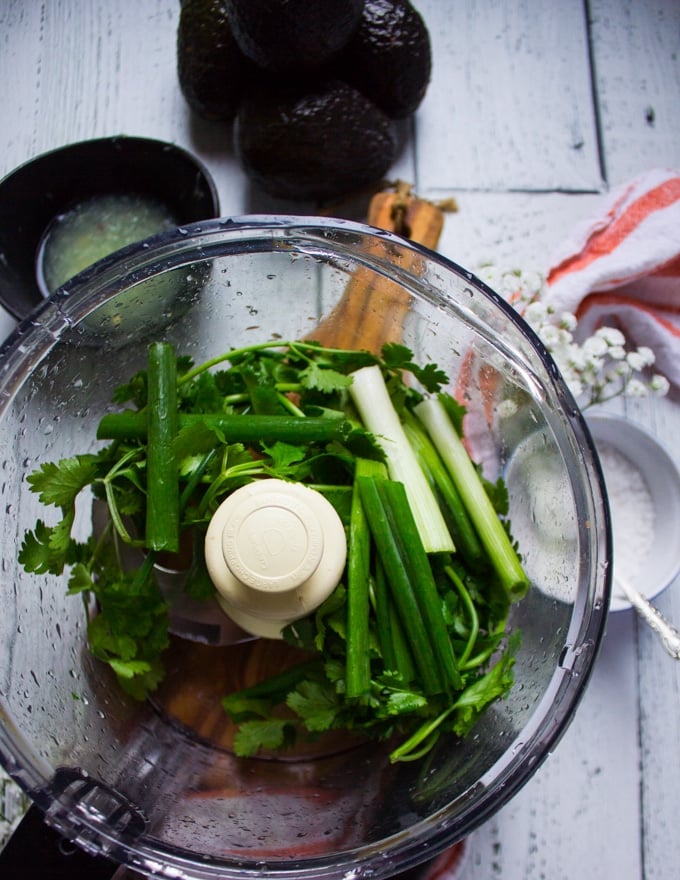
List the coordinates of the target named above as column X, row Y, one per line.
column 621, row 268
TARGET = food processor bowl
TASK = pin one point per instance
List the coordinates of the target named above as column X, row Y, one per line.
column 154, row 785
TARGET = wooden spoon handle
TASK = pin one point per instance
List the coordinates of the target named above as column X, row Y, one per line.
column 372, row 309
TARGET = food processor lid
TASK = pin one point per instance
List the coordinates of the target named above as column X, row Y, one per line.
column 275, row 550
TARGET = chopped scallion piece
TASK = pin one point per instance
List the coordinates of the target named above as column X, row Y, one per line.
column 372, row 399
column 490, row 529
column 162, row 511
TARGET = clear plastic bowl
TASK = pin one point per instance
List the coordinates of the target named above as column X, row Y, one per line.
column 153, row 785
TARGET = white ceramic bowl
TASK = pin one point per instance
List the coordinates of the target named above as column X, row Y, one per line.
column 659, row 562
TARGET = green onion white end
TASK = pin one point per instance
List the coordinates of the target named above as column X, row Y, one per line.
column 489, row 527
column 372, row 399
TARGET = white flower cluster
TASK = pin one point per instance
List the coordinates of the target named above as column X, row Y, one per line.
column 597, row 368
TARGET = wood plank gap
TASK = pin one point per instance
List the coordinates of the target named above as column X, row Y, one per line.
column 587, row 12
column 641, row 744
column 513, row 190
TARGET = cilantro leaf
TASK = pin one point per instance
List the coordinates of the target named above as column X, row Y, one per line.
column 405, row 702
column 60, row 483
column 202, row 395
column 80, row 580
column 38, row 552
column 324, row 379
column 138, row 677
column 484, row 690
column 284, row 454
column 60, row 535
column 455, row 411
column 498, row 495
column 194, row 439
column 316, row 703
column 273, row 734
column 431, row 377
column 134, row 391
column 398, row 357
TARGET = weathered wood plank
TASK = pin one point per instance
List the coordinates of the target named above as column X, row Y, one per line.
column 659, row 678
column 513, row 230
column 636, row 60
column 660, row 735
column 510, row 103
column 73, row 70
column 637, row 74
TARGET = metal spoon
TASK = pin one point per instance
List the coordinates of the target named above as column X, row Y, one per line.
column 670, row 637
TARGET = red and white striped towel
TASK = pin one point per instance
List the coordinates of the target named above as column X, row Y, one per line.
column 621, row 268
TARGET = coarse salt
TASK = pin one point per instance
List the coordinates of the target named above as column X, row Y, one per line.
column 632, row 510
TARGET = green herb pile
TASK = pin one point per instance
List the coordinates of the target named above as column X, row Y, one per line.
column 413, row 641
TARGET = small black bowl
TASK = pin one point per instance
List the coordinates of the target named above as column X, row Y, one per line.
column 35, row 193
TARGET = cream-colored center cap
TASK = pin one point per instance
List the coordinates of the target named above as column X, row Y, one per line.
column 275, row 551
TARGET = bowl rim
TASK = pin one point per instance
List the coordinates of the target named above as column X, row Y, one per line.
column 582, row 642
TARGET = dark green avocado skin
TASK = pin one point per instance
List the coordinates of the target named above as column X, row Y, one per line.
column 315, row 143
column 292, row 35
column 389, row 57
column 213, row 73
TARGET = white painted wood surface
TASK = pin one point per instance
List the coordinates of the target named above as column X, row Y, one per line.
column 535, row 110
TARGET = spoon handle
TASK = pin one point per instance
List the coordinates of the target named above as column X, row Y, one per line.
column 670, row 637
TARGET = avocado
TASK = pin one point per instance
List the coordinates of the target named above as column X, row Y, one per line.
column 282, row 36
column 213, row 73
column 389, row 57
column 313, row 143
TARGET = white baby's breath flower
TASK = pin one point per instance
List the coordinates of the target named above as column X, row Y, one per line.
column 659, row 385
column 511, row 283
column 617, row 352
column 593, row 366
column 565, row 336
column 596, row 368
column 536, row 313
column 647, row 353
column 576, row 357
column 574, row 383
column 611, row 336
column 595, row 346
column 550, row 336
column 640, row 358
column 636, row 388
column 533, row 282
column 568, row 321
